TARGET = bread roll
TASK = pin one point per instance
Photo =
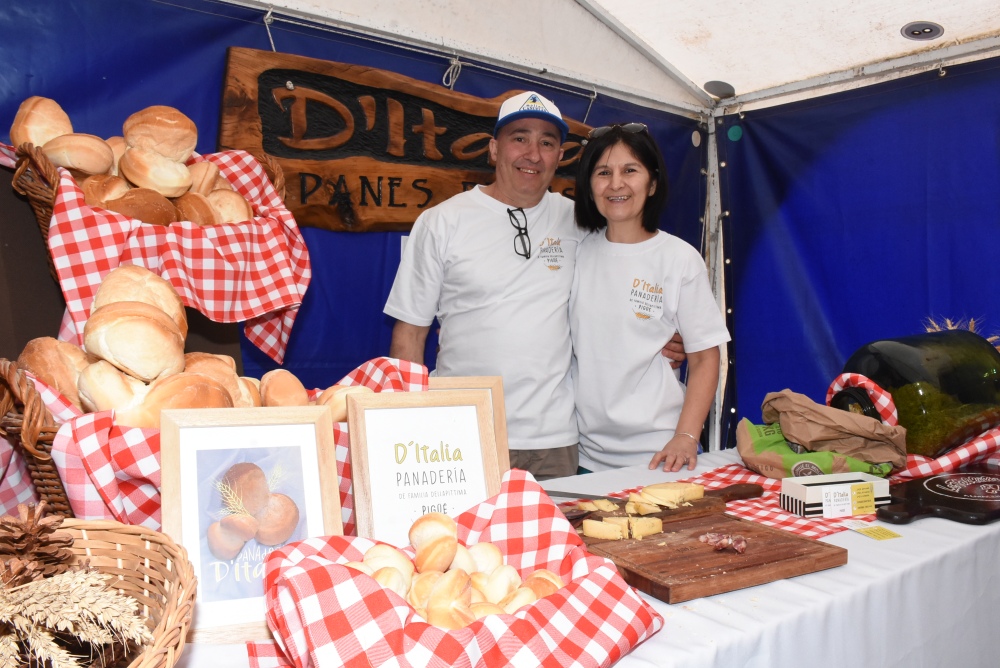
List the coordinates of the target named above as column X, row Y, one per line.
column 222, row 183
column 360, row 566
column 138, row 338
column 99, row 188
column 500, row 583
column 56, row 363
column 162, row 129
column 487, row 557
column 196, row 208
column 517, row 599
column 463, row 559
column 391, row 579
column 144, row 204
column 280, row 387
column 485, row 608
column 382, row 555
column 450, row 601
column 543, row 582
column 39, row 120
column 249, row 394
column 336, row 396
column 420, row 588
column 227, row 537
column 133, row 283
column 118, row 146
column 148, row 169
column 231, row 206
column 203, row 176
column 181, row 390
column 81, row 154
column 223, row 544
column 220, row 367
column 247, row 485
column 434, row 536
column 277, row 520
column 103, row 387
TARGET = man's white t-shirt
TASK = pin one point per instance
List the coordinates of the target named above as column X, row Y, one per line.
column 627, row 302
column 500, row 314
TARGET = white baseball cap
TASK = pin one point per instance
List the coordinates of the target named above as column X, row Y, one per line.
column 530, row 105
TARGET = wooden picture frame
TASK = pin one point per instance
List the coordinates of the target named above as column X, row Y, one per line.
column 419, row 452
column 495, row 386
column 224, row 473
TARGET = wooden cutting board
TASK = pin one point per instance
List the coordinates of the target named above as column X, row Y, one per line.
column 675, row 566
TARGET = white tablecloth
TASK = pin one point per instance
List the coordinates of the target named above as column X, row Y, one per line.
column 928, row 599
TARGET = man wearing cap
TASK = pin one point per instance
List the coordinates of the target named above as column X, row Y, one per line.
column 494, row 264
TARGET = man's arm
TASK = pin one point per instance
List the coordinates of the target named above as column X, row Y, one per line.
column 674, row 351
column 408, row 341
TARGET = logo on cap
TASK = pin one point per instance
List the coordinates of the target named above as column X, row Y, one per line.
column 534, row 104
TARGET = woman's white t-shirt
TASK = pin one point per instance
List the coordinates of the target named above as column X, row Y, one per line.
column 626, row 303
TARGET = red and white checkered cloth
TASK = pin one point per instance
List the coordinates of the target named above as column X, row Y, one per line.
column 325, row 614
column 981, row 448
column 113, row 472
column 15, row 478
column 256, row 271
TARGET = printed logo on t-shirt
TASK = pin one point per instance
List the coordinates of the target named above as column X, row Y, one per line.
column 646, row 299
column 550, row 250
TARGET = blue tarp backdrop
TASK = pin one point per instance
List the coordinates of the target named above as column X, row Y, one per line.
column 856, row 217
column 102, row 60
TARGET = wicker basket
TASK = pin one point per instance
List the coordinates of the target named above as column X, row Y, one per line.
column 150, row 568
column 27, row 423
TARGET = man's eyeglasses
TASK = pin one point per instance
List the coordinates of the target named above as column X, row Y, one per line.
column 522, row 243
column 631, row 128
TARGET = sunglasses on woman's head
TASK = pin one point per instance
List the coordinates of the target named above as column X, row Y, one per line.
column 631, row 128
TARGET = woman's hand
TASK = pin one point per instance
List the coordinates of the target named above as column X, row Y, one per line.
column 679, row 451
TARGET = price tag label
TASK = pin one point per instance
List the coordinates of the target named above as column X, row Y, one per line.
column 862, row 498
column 873, row 531
column 837, row 501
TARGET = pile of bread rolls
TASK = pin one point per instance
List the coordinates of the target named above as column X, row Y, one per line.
column 252, row 510
column 142, row 174
column 133, row 360
column 451, row 585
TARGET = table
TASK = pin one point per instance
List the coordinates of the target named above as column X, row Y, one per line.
column 929, row 598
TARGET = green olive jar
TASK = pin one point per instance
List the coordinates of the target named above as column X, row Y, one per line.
column 945, row 385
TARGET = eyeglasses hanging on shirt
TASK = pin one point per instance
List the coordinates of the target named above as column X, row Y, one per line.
column 522, row 243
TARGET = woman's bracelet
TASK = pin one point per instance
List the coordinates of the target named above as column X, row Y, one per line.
column 691, row 436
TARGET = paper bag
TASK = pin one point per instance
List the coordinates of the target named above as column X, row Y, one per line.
column 818, row 428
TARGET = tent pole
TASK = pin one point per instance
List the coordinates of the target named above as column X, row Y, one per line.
column 712, row 248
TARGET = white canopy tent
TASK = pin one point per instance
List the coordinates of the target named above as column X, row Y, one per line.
column 661, row 53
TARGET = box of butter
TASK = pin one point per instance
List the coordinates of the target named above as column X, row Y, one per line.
column 834, row 495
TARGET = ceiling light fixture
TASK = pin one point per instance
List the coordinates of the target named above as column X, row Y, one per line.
column 922, row 31
column 719, row 89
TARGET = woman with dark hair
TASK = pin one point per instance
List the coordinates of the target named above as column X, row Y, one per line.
column 634, row 287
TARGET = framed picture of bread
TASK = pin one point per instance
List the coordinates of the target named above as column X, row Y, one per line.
column 495, row 386
column 237, row 484
column 418, row 452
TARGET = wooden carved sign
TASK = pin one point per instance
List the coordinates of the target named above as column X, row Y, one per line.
column 363, row 149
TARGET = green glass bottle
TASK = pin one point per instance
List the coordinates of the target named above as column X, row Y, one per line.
column 946, row 386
